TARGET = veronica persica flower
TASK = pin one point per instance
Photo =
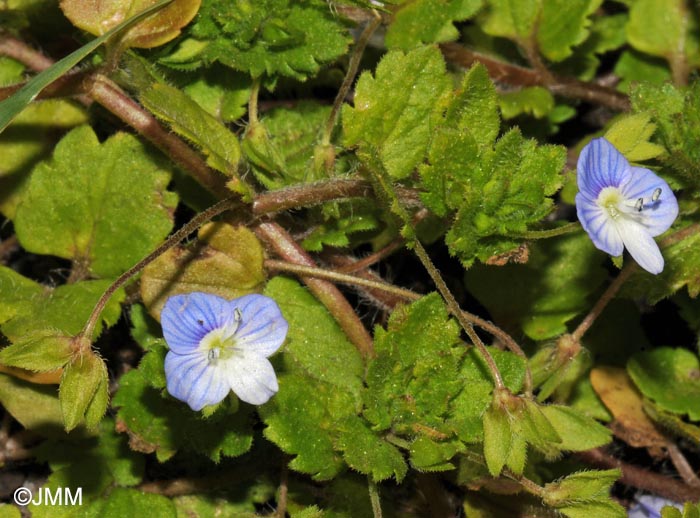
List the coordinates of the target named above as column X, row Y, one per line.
column 217, row 345
column 621, row 206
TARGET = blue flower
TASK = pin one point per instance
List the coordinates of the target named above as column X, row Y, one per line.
column 650, row 506
column 621, row 206
column 218, row 345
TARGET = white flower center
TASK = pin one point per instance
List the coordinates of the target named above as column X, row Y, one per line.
column 218, row 343
column 616, row 206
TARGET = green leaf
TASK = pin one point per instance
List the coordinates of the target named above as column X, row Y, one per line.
column 510, row 189
column 340, row 222
column 104, row 455
column 35, row 407
column 470, row 404
column 83, row 385
column 71, row 203
column 320, row 385
column 190, row 120
column 564, row 24
column 123, row 502
column 671, row 377
column 315, row 341
column 557, row 25
column 658, row 27
column 160, row 28
column 498, row 439
column 226, row 261
column 221, row 91
column 165, row 426
column 12, row 106
column 541, row 296
column 30, row 138
column 62, row 310
column 15, row 290
column 302, row 420
column 511, row 19
column 431, row 455
column 415, row 374
column 630, row 135
column 428, row 21
column 535, row 100
column 577, row 431
column 270, row 37
column 282, row 147
column 585, row 492
column 397, row 110
column 672, row 423
column 40, row 351
column 368, row 453
column 634, row 68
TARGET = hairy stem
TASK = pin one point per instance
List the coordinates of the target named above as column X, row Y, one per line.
column 552, row 232
column 281, row 511
column 384, row 188
column 353, row 65
column 374, row 498
column 603, row 301
column 335, row 276
column 20, row 51
column 113, row 98
column 329, row 295
column 316, row 193
column 253, row 102
column 570, row 88
column 454, row 308
column 174, row 239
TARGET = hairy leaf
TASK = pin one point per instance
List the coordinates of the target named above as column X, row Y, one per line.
column 72, row 203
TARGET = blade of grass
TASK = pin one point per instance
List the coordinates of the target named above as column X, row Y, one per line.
column 12, row 106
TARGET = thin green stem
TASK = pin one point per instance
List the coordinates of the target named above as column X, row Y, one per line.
column 354, row 280
column 603, row 301
column 174, row 239
column 384, row 189
column 353, row 65
column 374, row 498
column 343, row 278
column 454, row 308
column 552, row 232
column 253, row 102
column 329, row 295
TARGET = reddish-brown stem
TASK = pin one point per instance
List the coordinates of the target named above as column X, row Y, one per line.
column 281, row 511
column 603, row 301
column 316, row 193
column 7, row 247
column 20, row 51
column 685, row 470
column 366, row 262
column 113, row 98
column 641, row 478
column 282, row 243
column 353, row 65
column 521, row 76
column 65, row 86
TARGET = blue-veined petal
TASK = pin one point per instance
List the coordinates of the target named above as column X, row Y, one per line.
column 600, row 165
column 597, row 223
column 252, row 378
column 263, row 328
column 641, row 245
column 192, row 379
column 186, row 319
column 659, row 215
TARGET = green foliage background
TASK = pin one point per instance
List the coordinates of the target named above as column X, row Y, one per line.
column 344, row 134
